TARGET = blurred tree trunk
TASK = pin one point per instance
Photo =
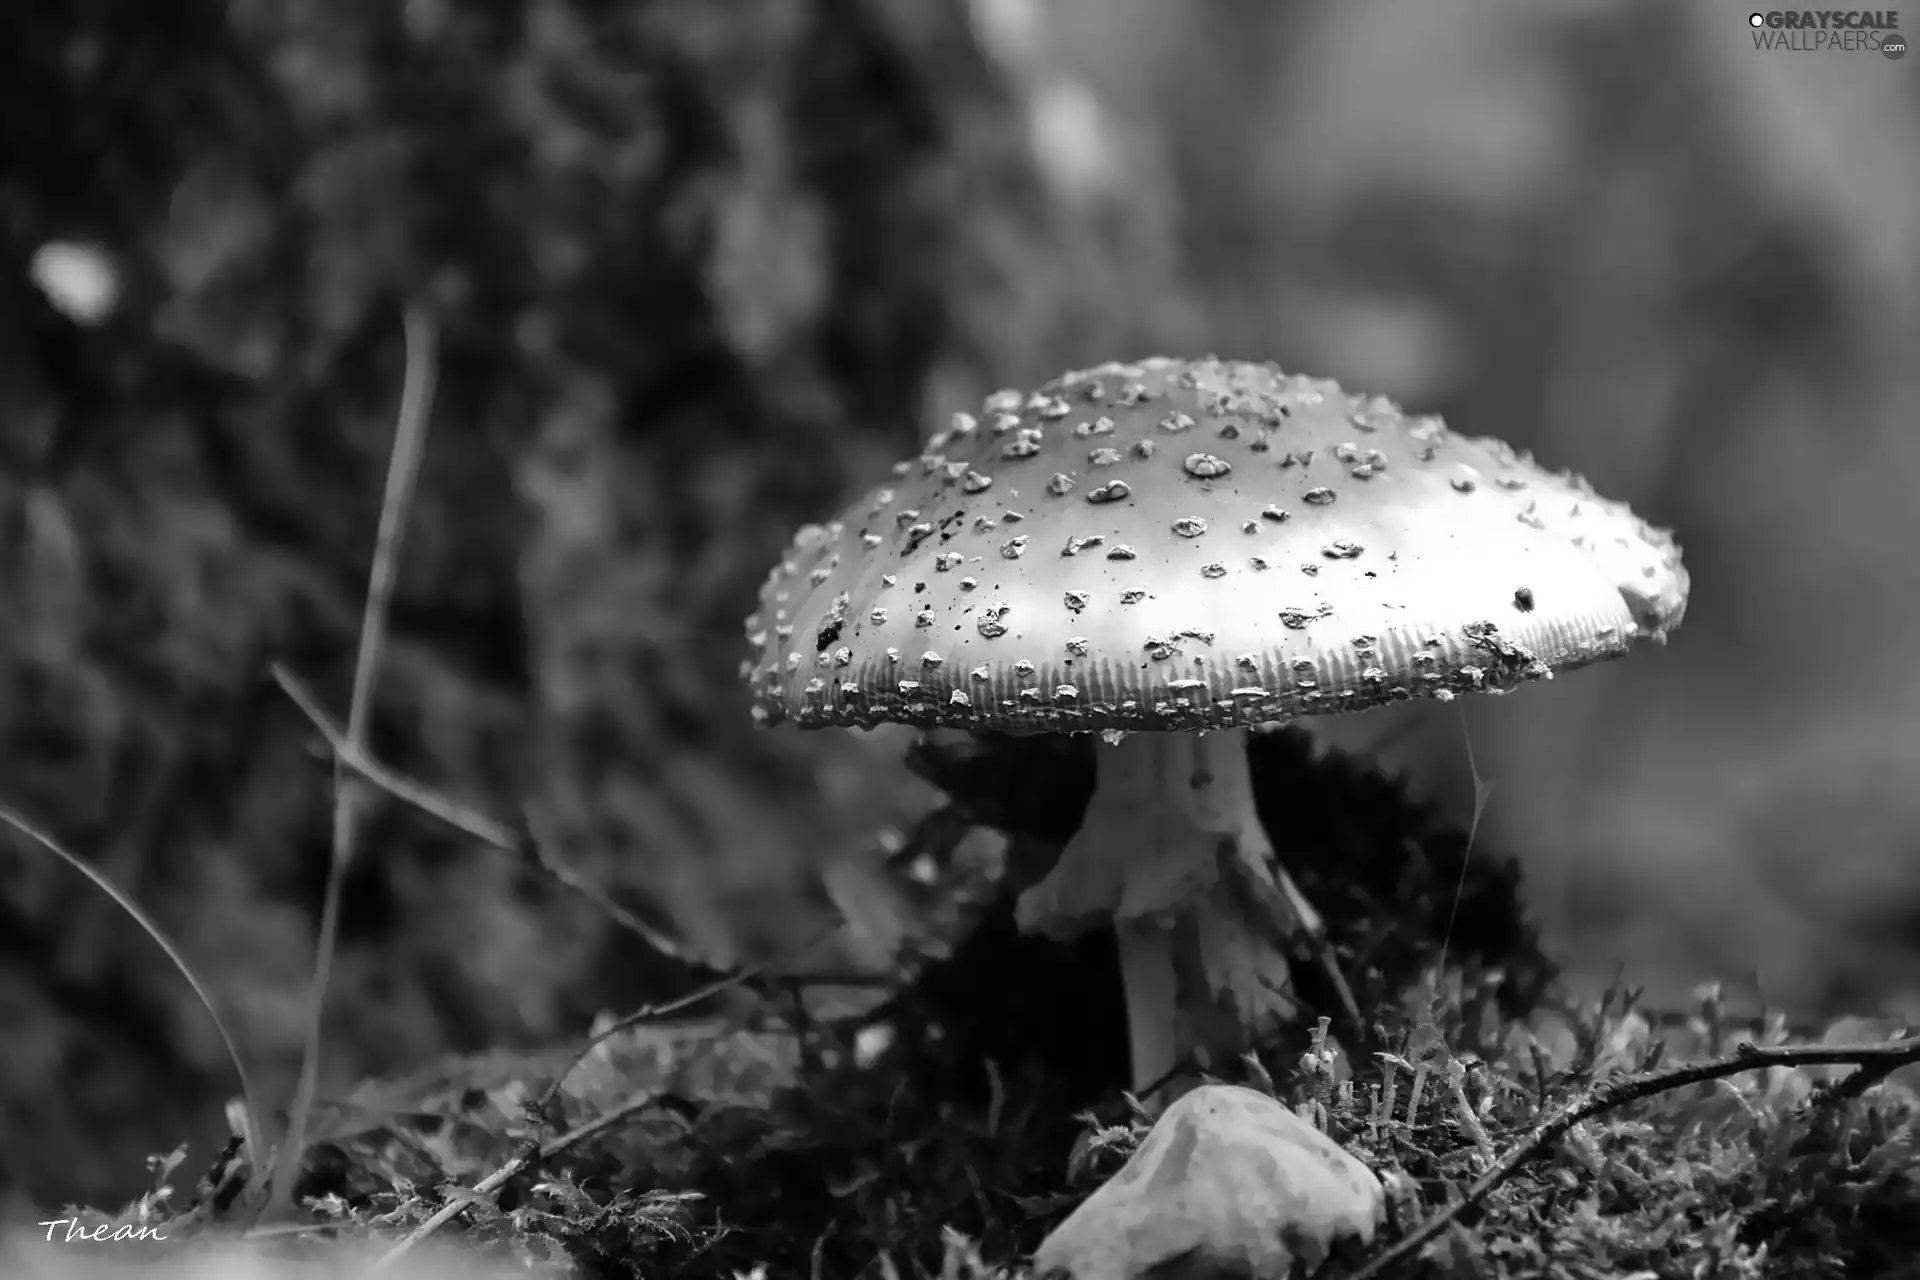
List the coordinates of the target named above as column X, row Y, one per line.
column 698, row 267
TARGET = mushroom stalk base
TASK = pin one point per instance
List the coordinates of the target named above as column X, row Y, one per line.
column 1172, row 854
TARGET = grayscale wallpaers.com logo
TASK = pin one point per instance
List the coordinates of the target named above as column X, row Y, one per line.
column 1829, row 31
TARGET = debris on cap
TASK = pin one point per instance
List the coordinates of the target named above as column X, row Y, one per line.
column 1228, row 1182
column 1180, row 544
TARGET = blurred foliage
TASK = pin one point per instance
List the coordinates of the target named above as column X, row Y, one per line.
column 696, row 266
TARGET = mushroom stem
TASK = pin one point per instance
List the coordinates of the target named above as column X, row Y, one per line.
column 1172, row 854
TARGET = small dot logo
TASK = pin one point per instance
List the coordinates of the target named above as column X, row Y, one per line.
column 1894, row 46
column 1756, row 19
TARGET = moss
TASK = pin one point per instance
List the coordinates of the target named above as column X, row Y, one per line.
column 995, row 1106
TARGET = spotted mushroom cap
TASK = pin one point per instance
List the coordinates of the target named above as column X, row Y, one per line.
column 1183, row 544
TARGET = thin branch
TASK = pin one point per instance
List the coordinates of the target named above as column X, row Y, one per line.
column 499, row 835
column 1320, row 943
column 510, row 1170
column 532, row 1156
column 739, row 977
column 542, row 848
column 350, row 794
column 355, row 758
column 1596, row 1099
column 256, row 1117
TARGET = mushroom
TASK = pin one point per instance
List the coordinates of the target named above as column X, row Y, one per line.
column 1169, row 553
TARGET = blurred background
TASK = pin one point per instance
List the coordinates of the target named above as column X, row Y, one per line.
column 699, row 268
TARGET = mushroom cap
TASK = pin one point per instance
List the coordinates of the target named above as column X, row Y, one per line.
column 1203, row 544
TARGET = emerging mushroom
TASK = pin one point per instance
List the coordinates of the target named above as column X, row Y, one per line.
column 1168, row 553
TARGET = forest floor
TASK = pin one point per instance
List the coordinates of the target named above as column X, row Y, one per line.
column 944, row 1128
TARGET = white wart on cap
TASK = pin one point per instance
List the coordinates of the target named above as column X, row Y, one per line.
column 1198, row 544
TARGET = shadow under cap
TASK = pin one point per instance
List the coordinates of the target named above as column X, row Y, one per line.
column 1202, row 544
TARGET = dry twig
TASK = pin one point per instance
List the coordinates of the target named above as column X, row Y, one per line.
column 1596, row 1099
column 499, row 835
column 744, row 976
column 531, row 1155
column 356, row 759
column 255, row 1118
column 513, row 1168
column 350, row 793
column 463, row 818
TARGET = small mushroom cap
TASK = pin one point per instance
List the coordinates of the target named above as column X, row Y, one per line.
column 1199, row 544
